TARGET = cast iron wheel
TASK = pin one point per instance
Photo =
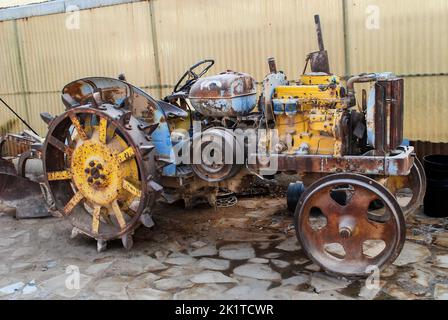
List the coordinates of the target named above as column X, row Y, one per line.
column 340, row 232
column 409, row 190
column 99, row 167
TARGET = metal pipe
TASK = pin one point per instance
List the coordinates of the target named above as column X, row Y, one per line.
column 320, row 39
column 272, row 65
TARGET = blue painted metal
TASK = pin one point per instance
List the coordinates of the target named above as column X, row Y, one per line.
column 229, row 94
column 54, row 7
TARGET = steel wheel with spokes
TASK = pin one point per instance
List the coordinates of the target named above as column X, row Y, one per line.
column 99, row 165
column 343, row 230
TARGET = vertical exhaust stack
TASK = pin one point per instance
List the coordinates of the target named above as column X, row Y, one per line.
column 319, row 59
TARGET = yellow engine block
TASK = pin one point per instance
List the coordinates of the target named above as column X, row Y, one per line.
column 308, row 115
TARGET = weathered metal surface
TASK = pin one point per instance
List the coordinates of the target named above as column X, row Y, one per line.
column 229, row 94
column 398, row 165
column 339, row 209
column 24, row 195
column 423, row 149
column 415, row 183
column 105, row 167
column 388, row 115
column 12, row 145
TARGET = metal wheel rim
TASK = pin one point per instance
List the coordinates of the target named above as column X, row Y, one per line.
column 343, row 267
column 83, row 221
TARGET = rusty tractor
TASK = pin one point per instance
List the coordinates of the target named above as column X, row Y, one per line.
column 115, row 151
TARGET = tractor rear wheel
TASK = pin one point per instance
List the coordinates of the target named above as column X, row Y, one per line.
column 99, row 167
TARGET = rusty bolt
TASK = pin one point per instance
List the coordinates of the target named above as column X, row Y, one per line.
column 345, row 232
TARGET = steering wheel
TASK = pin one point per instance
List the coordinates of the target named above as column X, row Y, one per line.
column 192, row 76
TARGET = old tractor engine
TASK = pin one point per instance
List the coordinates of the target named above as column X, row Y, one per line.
column 116, row 150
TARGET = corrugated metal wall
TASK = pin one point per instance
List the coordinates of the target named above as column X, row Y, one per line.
column 153, row 42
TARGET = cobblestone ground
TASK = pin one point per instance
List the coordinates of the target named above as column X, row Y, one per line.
column 244, row 252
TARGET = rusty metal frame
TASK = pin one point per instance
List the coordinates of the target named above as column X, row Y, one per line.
column 394, row 165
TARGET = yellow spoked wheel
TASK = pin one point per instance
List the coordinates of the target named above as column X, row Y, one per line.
column 99, row 167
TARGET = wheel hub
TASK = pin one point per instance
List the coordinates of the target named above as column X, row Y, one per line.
column 96, row 171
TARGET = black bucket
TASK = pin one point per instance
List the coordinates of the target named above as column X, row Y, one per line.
column 436, row 199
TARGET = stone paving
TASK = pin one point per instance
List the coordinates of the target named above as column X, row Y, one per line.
column 245, row 252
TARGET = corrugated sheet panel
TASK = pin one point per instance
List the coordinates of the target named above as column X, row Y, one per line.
column 109, row 41
column 9, row 59
column 11, row 84
column 411, row 39
column 241, row 35
column 427, row 148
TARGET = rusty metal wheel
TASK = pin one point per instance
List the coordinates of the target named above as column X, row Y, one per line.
column 409, row 190
column 99, row 166
column 342, row 229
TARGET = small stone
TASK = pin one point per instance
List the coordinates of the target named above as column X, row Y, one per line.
column 241, row 251
column 296, row 280
column 301, row 261
column 264, row 245
column 245, row 292
column 179, row 271
column 441, row 291
column 65, row 285
column 442, row 261
column 136, row 265
column 290, row 244
column 322, row 282
column 258, row 260
column 143, row 281
column 10, row 289
column 214, row 264
column 280, row 263
column 313, row 267
column 201, row 292
column 161, row 255
column 172, row 283
column 148, row 294
column 257, row 271
column 204, row 251
column 442, row 240
column 397, row 292
column 412, row 253
column 211, row 277
column 198, row 244
column 98, row 268
column 30, row 288
column 180, row 260
column 272, row 255
column 112, row 287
